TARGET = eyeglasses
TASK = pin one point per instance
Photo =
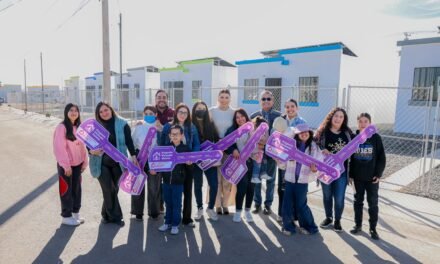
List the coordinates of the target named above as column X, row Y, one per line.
column 175, row 134
column 182, row 112
column 266, row 99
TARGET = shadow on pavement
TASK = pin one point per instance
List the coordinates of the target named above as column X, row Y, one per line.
column 53, row 249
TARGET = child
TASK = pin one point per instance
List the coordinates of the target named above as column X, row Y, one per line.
column 297, row 179
column 259, row 164
column 173, row 185
column 366, row 168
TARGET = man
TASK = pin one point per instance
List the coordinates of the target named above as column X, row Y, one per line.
column 165, row 114
column 268, row 113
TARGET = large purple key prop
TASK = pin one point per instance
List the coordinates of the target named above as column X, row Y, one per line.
column 165, row 158
column 283, row 148
column 223, row 144
column 337, row 160
column 133, row 184
column 234, row 169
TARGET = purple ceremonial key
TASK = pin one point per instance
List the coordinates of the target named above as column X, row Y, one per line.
column 337, row 160
column 95, row 136
column 283, row 148
column 133, row 184
column 165, row 158
column 234, row 169
column 223, row 144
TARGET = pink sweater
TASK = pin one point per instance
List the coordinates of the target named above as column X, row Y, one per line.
column 68, row 153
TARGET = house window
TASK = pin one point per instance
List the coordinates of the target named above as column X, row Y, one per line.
column 137, row 89
column 424, row 79
column 196, row 91
column 251, row 89
column 308, row 89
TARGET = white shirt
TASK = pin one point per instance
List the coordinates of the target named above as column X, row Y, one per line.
column 222, row 119
column 139, row 133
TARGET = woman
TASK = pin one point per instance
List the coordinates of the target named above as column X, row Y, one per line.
column 245, row 188
column 332, row 135
column 154, row 180
column 222, row 116
column 207, row 131
column 182, row 117
column 366, row 168
column 71, row 156
column 105, row 168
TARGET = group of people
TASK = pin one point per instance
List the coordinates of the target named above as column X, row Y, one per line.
column 186, row 130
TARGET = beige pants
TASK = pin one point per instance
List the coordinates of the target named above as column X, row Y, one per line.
column 226, row 191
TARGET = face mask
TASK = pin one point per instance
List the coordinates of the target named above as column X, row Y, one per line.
column 200, row 113
column 150, row 119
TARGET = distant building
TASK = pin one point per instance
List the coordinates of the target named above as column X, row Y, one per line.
column 52, row 94
column 72, row 89
column 10, row 90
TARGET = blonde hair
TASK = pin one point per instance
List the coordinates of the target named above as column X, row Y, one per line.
column 280, row 124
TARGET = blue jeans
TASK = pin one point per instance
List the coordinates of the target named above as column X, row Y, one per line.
column 270, row 184
column 295, row 202
column 172, row 194
column 334, row 191
column 211, row 176
column 256, row 169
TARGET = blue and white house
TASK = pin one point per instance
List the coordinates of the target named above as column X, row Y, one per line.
column 313, row 75
column 419, row 85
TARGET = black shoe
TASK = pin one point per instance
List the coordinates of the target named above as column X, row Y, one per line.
column 139, row 217
column 356, row 229
column 104, row 221
column 337, row 226
column 257, row 209
column 225, row 210
column 267, row 210
column 326, row 222
column 120, row 223
column 374, row 235
column 154, row 217
column 219, row 210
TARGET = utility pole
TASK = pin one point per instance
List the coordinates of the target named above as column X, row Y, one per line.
column 42, row 82
column 25, row 89
column 120, row 62
column 106, row 52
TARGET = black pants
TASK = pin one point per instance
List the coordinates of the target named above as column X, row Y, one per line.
column 372, row 190
column 109, row 179
column 280, row 189
column 70, row 190
column 187, row 196
column 153, row 197
column 245, row 188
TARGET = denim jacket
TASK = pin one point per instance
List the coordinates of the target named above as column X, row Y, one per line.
column 191, row 137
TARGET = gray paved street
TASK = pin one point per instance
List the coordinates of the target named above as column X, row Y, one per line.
column 30, row 229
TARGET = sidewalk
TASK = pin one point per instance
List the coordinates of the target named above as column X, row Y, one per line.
column 30, row 229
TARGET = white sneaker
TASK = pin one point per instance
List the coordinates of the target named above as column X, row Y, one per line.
column 304, row 231
column 78, row 218
column 164, row 228
column 264, row 176
column 237, row 216
column 212, row 214
column 174, row 230
column 199, row 214
column 248, row 216
column 70, row 221
column 255, row 180
column 279, row 219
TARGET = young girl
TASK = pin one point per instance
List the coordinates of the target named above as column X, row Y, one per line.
column 71, row 156
column 257, row 155
column 366, row 168
column 207, row 131
column 332, row 136
column 297, row 180
column 182, row 117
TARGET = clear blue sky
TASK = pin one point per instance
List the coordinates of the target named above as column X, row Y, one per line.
column 162, row 32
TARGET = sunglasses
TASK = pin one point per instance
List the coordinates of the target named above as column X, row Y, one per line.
column 266, row 99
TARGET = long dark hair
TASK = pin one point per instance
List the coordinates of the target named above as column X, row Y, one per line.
column 68, row 124
column 98, row 107
column 187, row 122
column 206, row 128
column 308, row 142
column 327, row 122
column 243, row 113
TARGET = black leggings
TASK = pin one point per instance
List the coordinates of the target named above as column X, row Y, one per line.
column 187, row 196
column 109, row 179
column 245, row 188
column 70, row 190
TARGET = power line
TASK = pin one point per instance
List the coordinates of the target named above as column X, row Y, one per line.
column 80, row 7
column 10, row 5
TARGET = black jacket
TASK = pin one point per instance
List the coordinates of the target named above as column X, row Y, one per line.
column 369, row 160
column 177, row 175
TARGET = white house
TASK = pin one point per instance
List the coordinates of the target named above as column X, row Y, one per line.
column 313, row 75
column 93, row 92
column 199, row 79
column 72, row 89
column 416, row 108
column 10, row 92
column 144, row 81
column 52, row 94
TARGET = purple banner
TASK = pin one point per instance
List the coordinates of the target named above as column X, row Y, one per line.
column 165, row 158
column 95, row 136
column 133, row 184
column 282, row 147
column 223, row 144
column 234, row 169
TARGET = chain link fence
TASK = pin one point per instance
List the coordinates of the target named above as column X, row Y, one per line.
column 409, row 126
